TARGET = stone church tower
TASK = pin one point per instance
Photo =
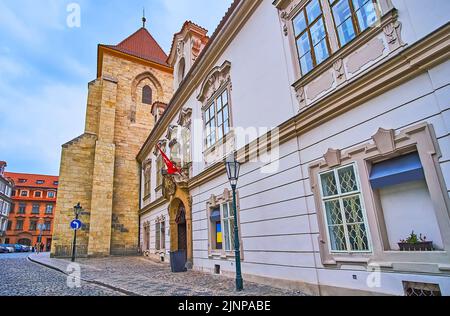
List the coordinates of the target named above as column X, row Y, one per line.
column 99, row 168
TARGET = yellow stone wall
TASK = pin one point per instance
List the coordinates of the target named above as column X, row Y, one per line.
column 99, row 168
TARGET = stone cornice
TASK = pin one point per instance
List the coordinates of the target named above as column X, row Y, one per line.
column 157, row 203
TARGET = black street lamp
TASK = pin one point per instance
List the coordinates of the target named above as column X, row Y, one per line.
column 77, row 210
column 233, row 167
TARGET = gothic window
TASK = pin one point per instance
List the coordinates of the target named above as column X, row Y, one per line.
column 352, row 17
column 147, row 95
column 344, row 210
column 146, row 237
column 311, row 36
column 158, row 236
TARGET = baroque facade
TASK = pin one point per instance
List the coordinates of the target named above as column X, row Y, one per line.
column 353, row 160
column 99, row 169
column 31, row 217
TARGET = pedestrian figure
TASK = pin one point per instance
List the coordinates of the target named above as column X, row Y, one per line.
column 37, row 248
column 42, row 247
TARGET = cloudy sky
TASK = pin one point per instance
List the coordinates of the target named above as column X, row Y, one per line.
column 45, row 66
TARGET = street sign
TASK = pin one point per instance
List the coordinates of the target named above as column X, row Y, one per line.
column 76, row 224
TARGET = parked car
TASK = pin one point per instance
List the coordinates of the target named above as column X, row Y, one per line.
column 9, row 248
column 18, row 248
column 3, row 249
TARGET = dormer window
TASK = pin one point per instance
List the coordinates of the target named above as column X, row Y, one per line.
column 40, row 182
column 147, row 95
column 22, row 180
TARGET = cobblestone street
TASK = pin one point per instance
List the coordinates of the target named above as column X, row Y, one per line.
column 20, row 277
column 139, row 276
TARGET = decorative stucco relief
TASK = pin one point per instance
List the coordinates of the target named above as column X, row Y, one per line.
column 185, row 118
column 368, row 53
column 393, row 33
column 322, row 84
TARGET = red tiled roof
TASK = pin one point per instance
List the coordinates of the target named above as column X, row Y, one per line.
column 142, row 44
column 32, row 180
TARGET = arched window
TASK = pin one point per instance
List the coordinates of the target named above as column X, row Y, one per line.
column 147, row 95
column 181, row 70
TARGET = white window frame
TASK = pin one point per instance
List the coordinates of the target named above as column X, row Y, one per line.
column 227, row 221
column 340, row 197
column 213, row 102
column 51, row 192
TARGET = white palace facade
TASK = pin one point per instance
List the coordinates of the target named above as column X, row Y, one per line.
column 339, row 113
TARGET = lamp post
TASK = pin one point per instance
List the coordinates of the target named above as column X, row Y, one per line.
column 77, row 210
column 233, row 167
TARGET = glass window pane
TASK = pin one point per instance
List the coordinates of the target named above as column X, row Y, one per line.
column 313, row 10
column 225, row 97
column 353, row 210
column 232, row 233
column 329, row 186
column 299, row 23
column 219, row 118
column 337, row 238
column 321, row 51
column 341, row 12
column 225, row 113
column 225, row 210
column 306, row 63
column 226, row 127
column 333, row 211
column 220, row 132
column 211, row 111
column 219, row 102
column 359, row 3
column 318, row 32
column 346, row 32
column 358, row 237
column 303, row 45
column 226, row 235
column 367, row 16
column 347, row 179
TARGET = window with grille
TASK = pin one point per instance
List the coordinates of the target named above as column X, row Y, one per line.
column 147, row 180
column 22, row 208
column 33, row 226
column 19, row 225
column 217, row 119
column 311, row 36
column 352, row 17
column 158, row 236
column 421, row 289
column 344, row 210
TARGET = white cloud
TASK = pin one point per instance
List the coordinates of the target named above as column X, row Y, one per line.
column 35, row 127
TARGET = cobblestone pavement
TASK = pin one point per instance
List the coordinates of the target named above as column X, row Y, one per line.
column 139, row 276
column 20, row 277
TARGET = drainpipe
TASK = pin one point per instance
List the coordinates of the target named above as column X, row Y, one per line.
column 140, row 206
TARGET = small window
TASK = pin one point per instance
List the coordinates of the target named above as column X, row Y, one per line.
column 24, row 193
column 421, row 289
column 158, row 236
column 40, row 182
column 51, row 194
column 22, row 180
column 19, row 225
column 55, row 183
column 49, row 209
column 33, row 226
column 35, row 209
column 147, row 95
column 311, row 37
column 22, row 208
column 344, row 210
column 37, row 194
column 352, row 17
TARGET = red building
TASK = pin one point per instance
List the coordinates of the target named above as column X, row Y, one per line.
column 31, row 216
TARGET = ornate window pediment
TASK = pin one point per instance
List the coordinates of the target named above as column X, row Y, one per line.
column 185, row 118
column 216, row 79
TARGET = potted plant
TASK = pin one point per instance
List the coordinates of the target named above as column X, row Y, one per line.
column 416, row 243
